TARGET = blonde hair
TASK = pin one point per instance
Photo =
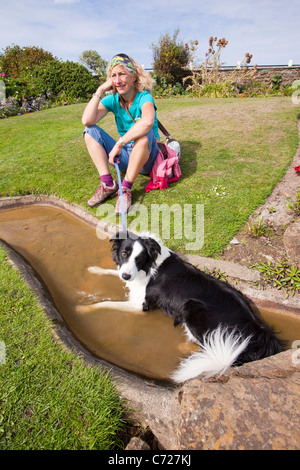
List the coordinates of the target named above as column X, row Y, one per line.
column 144, row 80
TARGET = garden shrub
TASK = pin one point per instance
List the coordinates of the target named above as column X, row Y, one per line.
column 69, row 79
column 52, row 84
column 170, row 58
column 17, row 88
column 10, row 107
column 17, row 62
column 32, row 79
column 164, row 90
column 276, row 81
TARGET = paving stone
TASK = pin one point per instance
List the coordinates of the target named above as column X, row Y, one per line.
column 137, row 444
column 254, row 407
column 227, row 267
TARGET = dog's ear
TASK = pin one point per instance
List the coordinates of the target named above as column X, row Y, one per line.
column 153, row 248
column 116, row 241
column 119, row 236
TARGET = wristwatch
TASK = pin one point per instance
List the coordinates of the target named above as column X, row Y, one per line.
column 121, row 141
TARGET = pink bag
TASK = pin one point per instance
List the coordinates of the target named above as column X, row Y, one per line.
column 164, row 170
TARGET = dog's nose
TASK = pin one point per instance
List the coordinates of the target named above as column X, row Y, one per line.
column 126, row 276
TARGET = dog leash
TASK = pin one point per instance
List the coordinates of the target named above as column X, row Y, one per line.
column 121, row 197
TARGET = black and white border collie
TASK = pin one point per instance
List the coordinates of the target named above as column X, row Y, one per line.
column 215, row 315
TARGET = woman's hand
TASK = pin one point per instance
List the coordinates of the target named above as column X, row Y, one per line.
column 116, row 150
column 94, row 110
column 106, row 86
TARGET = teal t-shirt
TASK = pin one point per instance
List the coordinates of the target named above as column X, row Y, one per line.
column 123, row 120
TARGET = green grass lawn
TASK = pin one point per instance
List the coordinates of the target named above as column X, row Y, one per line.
column 49, row 398
column 234, row 152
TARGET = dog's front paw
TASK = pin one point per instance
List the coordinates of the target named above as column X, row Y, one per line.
column 99, row 270
column 83, row 309
column 96, row 270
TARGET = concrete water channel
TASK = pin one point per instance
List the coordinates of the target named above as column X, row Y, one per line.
column 53, row 243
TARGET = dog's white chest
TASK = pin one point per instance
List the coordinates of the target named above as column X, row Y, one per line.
column 137, row 289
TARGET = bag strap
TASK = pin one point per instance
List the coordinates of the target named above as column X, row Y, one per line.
column 161, row 127
column 163, row 130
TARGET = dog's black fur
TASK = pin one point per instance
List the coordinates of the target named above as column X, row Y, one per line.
column 195, row 299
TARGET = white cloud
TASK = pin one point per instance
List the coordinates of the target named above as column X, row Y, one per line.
column 266, row 28
column 66, row 2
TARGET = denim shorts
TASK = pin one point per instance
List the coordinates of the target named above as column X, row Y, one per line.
column 107, row 142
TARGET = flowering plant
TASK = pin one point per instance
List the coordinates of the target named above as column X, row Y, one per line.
column 297, row 169
column 206, row 78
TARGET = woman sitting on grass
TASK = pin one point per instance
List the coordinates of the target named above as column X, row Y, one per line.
column 137, row 148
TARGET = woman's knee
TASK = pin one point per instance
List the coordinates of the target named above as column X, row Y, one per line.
column 92, row 131
column 100, row 136
column 142, row 142
column 91, row 139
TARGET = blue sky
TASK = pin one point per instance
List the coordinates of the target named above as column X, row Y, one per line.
column 268, row 29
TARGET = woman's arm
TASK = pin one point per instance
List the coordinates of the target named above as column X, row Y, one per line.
column 94, row 110
column 139, row 129
column 143, row 125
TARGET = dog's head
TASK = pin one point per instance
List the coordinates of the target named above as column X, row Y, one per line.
column 133, row 254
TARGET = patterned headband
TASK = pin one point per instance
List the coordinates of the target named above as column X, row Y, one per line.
column 121, row 59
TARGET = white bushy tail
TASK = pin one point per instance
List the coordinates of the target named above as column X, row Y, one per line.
column 219, row 350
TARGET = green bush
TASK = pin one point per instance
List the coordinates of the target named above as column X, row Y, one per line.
column 276, row 81
column 17, row 62
column 16, row 88
column 67, row 79
column 163, row 89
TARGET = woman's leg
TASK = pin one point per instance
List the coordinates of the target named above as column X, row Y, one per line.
column 99, row 144
column 138, row 157
column 139, row 160
column 97, row 154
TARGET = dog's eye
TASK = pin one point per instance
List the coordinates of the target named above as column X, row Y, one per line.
column 139, row 259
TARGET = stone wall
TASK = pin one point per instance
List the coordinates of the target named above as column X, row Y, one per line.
column 265, row 73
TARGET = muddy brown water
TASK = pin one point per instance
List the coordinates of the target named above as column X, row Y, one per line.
column 60, row 247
